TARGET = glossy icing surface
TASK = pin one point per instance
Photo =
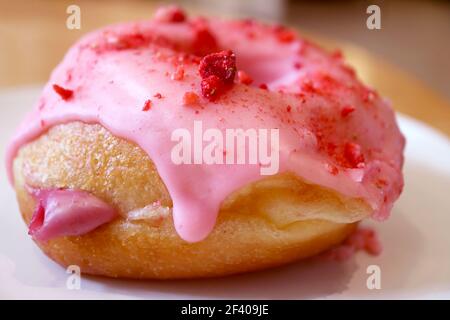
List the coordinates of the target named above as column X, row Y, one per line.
column 333, row 130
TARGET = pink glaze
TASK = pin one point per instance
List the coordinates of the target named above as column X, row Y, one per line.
column 313, row 98
column 67, row 213
column 362, row 239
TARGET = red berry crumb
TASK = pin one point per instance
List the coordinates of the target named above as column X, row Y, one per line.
column 347, row 110
column 332, row 169
column 178, row 74
column 337, row 54
column 170, row 14
column 297, row 65
column 353, row 154
column 244, row 78
column 65, row 94
column 158, row 95
column 190, row 98
column 368, row 94
column 147, row 105
column 125, row 41
column 286, row 36
column 220, row 64
column 288, row 108
column 263, row 86
column 283, row 34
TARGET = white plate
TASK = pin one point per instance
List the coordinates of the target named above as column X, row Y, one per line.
column 415, row 262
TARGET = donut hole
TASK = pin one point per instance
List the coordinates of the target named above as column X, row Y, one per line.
column 263, row 71
column 270, row 66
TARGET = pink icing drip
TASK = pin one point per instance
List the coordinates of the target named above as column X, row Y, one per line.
column 362, row 239
column 67, row 213
column 115, row 70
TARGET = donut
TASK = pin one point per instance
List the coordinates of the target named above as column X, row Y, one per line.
column 187, row 147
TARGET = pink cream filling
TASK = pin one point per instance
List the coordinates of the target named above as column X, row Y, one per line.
column 109, row 75
column 67, row 213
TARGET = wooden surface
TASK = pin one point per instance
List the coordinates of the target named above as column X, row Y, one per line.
column 34, row 38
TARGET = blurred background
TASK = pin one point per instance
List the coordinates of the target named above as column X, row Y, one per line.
column 414, row 35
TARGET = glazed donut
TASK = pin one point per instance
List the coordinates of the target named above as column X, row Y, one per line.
column 94, row 164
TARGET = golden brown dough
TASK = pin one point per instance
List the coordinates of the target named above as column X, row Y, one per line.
column 270, row 222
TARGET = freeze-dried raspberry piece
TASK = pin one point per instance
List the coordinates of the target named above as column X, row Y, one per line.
column 212, row 87
column 220, row 64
